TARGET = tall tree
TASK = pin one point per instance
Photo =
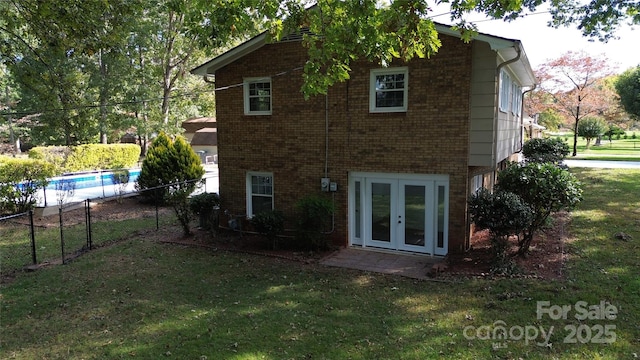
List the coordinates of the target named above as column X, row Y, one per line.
column 49, row 47
column 67, row 42
column 575, row 82
column 628, row 88
column 8, row 100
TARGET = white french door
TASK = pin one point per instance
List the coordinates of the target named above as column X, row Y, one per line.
column 399, row 212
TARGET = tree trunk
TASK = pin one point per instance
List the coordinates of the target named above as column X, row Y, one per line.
column 575, row 139
column 575, row 128
column 103, row 100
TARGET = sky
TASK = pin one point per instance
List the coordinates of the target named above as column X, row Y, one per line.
column 542, row 43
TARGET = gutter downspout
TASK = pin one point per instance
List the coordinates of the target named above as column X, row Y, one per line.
column 522, row 115
column 517, row 46
column 326, row 160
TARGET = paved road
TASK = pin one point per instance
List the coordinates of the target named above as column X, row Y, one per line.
column 603, row 164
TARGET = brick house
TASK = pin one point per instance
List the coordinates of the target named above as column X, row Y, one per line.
column 398, row 149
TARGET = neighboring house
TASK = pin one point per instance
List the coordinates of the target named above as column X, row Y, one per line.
column 532, row 129
column 399, row 149
column 201, row 133
column 205, row 144
column 191, row 126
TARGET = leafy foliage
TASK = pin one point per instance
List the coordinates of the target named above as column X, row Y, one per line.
column 205, row 205
column 628, row 88
column 203, row 202
column 313, row 221
column 591, row 128
column 20, row 180
column 169, row 174
column 88, row 157
column 544, row 187
column 72, row 61
column 504, row 215
column 576, row 82
column 612, row 131
column 551, row 119
column 269, row 224
column 541, row 150
column 120, row 179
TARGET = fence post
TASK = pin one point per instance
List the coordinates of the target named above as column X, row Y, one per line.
column 157, row 214
column 88, row 223
column 33, row 239
column 61, row 233
column 101, row 183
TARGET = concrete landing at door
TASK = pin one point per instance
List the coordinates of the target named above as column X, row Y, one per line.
column 408, row 265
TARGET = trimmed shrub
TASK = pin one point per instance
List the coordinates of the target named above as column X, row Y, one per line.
column 55, row 155
column 313, row 221
column 169, row 174
column 205, row 205
column 20, row 180
column 552, row 150
column 120, row 179
column 102, row 156
column 545, row 188
column 504, row 215
column 269, row 224
column 88, row 157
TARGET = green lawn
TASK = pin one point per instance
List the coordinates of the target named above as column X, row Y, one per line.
column 141, row 299
column 616, row 149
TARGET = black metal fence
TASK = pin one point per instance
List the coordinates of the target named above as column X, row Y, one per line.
column 57, row 234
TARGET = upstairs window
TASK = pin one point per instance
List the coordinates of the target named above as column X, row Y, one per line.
column 505, row 91
column 516, row 102
column 388, row 90
column 259, row 193
column 257, row 96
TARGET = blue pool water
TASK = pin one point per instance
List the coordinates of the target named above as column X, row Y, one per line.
column 89, row 180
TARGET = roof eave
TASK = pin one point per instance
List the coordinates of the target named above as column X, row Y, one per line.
column 506, row 48
column 247, row 47
column 521, row 68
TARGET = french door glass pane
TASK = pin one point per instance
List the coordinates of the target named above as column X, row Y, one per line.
column 441, row 202
column 414, row 210
column 356, row 217
column 381, row 212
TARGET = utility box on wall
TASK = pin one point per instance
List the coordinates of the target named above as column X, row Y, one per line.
column 324, row 184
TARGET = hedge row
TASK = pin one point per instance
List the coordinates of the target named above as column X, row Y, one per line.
column 88, row 157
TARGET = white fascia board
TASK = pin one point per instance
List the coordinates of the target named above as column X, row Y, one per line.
column 506, row 50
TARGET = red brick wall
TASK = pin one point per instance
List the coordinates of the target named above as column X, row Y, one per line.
column 432, row 137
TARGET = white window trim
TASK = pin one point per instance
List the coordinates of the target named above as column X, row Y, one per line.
column 249, row 191
column 372, row 89
column 246, row 82
column 516, row 95
column 505, row 91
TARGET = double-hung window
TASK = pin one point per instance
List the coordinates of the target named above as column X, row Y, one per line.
column 259, row 192
column 505, row 91
column 516, row 93
column 388, row 90
column 257, row 96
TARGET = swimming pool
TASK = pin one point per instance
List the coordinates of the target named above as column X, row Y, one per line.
column 88, row 179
